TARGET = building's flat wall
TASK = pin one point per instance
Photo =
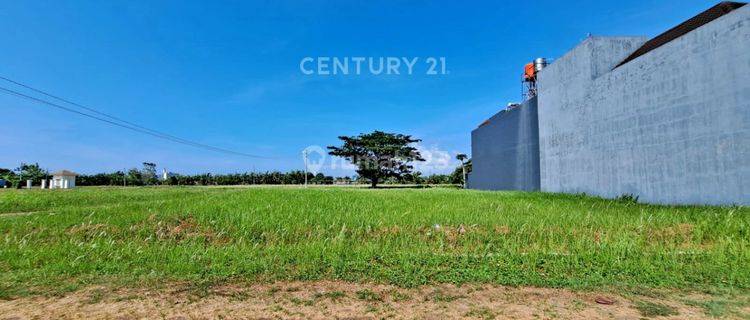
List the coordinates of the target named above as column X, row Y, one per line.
column 672, row 126
column 505, row 151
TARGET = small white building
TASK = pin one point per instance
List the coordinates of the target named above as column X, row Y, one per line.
column 63, row 180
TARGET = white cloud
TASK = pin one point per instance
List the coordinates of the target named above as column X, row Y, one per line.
column 436, row 160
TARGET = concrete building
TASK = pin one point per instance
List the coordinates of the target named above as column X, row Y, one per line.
column 666, row 119
column 505, row 150
column 63, row 180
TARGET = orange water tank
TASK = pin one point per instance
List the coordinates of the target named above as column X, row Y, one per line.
column 529, row 72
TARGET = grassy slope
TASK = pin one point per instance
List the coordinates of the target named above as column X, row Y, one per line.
column 96, row 235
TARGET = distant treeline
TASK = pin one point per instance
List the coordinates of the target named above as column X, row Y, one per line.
column 148, row 176
column 134, row 177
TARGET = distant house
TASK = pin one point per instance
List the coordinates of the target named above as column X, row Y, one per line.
column 63, row 180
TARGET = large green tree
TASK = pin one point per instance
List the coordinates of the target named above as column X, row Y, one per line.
column 31, row 172
column 379, row 155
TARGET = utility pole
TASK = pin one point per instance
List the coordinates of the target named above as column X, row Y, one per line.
column 304, row 156
column 123, row 177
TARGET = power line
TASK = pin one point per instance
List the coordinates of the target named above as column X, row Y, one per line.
column 124, row 124
column 83, row 107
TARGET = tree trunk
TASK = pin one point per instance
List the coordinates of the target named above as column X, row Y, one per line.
column 463, row 174
column 373, row 183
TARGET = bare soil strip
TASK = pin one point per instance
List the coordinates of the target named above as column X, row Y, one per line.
column 343, row 300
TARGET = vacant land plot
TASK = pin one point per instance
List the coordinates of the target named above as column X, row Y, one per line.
column 57, row 242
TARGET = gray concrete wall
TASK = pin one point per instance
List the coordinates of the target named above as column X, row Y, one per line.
column 505, row 151
column 672, row 126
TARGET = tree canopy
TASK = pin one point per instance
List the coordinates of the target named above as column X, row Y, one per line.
column 31, row 172
column 379, row 155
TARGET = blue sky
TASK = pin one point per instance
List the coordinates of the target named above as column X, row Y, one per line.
column 228, row 74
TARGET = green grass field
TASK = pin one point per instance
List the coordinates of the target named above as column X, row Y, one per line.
column 65, row 239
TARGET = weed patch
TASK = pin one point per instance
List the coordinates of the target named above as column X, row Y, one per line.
column 368, row 295
column 652, row 309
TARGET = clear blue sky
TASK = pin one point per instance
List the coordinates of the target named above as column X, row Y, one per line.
column 227, row 73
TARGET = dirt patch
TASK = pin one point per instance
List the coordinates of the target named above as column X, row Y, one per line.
column 343, row 300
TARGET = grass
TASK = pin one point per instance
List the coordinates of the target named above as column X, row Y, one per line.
column 399, row 296
column 712, row 308
column 481, row 313
column 651, row 309
column 368, row 295
column 722, row 306
column 333, row 295
column 407, row 237
column 440, row 296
